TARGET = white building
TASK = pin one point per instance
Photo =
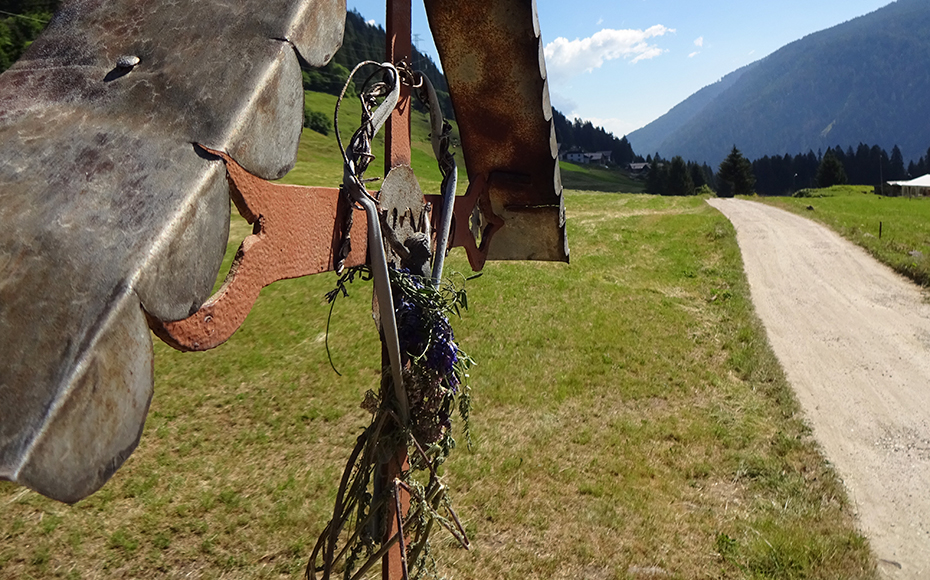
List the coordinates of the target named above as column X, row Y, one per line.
column 919, row 187
column 584, row 158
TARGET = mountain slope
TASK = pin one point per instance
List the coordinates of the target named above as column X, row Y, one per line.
column 861, row 81
column 648, row 139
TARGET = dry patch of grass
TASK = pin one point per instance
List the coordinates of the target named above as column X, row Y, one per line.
column 629, row 422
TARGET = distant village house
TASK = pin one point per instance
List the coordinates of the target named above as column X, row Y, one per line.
column 585, row 158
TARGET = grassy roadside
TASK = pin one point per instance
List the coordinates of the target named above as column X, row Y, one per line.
column 857, row 214
column 630, row 422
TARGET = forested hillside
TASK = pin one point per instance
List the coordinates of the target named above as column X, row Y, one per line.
column 363, row 41
column 862, row 81
column 579, row 134
column 650, row 138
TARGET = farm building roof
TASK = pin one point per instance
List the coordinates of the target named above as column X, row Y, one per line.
column 922, row 181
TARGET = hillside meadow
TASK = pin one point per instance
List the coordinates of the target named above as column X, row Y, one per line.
column 629, row 421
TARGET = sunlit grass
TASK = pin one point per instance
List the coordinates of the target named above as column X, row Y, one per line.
column 629, row 420
column 319, row 161
column 593, row 178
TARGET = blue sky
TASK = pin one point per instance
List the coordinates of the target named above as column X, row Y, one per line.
column 622, row 65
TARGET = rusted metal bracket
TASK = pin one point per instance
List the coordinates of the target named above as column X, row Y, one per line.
column 295, row 234
column 462, row 236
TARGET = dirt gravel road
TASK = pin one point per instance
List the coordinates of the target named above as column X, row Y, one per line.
column 854, row 340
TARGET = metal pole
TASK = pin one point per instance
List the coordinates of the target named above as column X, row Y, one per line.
column 397, row 152
column 398, row 49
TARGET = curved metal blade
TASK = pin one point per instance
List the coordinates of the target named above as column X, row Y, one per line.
column 492, row 56
column 108, row 206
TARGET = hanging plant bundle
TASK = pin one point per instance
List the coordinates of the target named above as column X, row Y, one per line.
column 435, row 381
column 423, row 380
column 437, row 367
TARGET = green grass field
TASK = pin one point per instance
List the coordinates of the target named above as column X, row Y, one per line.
column 629, row 418
column 856, row 213
column 319, row 161
column 588, row 178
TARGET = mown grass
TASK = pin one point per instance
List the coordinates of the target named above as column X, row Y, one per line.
column 859, row 215
column 629, row 420
column 591, row 178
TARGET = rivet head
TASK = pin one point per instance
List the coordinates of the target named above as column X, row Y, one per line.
column 127, row 61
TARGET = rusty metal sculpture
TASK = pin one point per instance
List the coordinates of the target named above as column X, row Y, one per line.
column 118, row 156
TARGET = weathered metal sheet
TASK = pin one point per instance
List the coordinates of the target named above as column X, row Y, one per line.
column 109, row 207
column 492, row 55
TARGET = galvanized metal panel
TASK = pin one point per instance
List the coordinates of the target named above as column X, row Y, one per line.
column 108, row 206
column 492, row 55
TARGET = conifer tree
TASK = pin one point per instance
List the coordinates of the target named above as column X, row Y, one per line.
column 697, row 175
column 830, row 172
column 657, row 178
column 735, row 177
column 679, row 178
column 896, row 166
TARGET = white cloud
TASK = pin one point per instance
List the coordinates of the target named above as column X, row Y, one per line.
column 566, row 58
column 699, row 41
column 371, row 22
column 562, row 104
column 599, row 21
column 694, row 54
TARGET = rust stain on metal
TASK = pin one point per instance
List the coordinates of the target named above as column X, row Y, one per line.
column 492, row 55
column 461, row 235
column 392, row 567
column 296, row 235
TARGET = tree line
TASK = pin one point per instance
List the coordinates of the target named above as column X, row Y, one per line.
column 363, row 41
column 783, row 175
column 678, row 177
column 865, row 165
column 578, row 134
